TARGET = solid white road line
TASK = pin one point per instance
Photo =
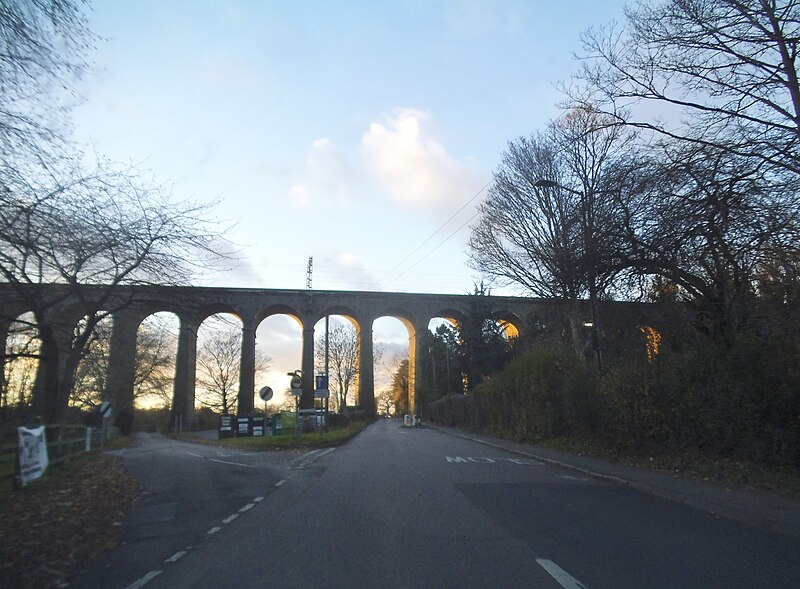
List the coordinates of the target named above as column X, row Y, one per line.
column 193, row 454
column 234, row 463
column 563, row 577
column 144, row 580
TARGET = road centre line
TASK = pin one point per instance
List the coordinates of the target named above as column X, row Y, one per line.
column 247, row 507
column 177, row 556
column 213, row 530
column 144, row 580
column 193, row 454
column 563, row 578
column 230, row 518
column 279, row 483
column 258, row 500
column 234, row 463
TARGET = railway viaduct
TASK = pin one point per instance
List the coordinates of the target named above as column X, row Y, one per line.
column 130, row 305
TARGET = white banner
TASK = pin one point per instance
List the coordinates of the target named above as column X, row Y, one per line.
column 32, row 454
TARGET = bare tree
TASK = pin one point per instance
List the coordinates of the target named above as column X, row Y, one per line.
column 710, row 222
column 91, row 234
column 720, row 73
column 548, row 224
column 45, row 44
column 342, row 361
column 156, row 348
column 88, row 225
column 21, row 356
column 219, row 368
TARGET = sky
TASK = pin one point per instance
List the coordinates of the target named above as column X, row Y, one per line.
column 359, row 133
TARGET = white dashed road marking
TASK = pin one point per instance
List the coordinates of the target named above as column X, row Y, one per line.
column 144, row 580
column 177, row 556
column 564, row 579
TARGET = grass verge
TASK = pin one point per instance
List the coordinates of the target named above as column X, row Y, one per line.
column 334, row 437
column 692, row 465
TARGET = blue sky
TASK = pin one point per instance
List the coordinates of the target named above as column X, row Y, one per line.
column 346, row 131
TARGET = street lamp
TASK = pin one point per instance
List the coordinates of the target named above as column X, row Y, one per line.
column 587, row 233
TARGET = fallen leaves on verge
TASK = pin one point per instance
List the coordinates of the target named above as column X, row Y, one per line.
column 51, row 527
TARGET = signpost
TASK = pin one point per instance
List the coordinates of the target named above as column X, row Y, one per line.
column 296, row 387
column 323, row 392
column 266, row 394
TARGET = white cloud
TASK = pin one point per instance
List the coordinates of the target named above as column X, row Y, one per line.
column 403, row 154
column 299, row 195
column 327, row 176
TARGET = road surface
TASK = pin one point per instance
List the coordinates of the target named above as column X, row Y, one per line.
column 413, row 507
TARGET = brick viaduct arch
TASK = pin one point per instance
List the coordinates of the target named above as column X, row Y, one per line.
column 130, row 305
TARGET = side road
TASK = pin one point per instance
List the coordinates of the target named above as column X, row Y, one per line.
column 754, row 507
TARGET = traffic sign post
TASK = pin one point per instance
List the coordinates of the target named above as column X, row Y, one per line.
column 296, row 388
column 266, row 394
column 323, row 392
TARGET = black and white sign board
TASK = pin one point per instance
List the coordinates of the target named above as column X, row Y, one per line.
column 32, row 454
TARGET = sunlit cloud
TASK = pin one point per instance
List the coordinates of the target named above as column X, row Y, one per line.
column 405, row 156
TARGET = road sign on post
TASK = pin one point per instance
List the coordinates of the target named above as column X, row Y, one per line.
column 265, row 393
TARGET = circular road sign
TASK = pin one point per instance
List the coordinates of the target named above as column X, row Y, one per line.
column 265, row 393
column 297, row 382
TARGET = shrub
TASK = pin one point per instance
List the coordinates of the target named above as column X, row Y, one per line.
column 543, row 393
column 741, row 402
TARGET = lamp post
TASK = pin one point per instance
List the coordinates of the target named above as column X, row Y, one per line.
column 587, row 226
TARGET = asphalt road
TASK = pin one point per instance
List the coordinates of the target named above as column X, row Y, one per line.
column 401, row 507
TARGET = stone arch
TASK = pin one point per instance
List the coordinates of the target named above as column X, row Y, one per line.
column 20, row 338
column 341, row 371
column 511, row 324
column 413, row 329
column 221, row 356
column 158, row 334
column 270, row 325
